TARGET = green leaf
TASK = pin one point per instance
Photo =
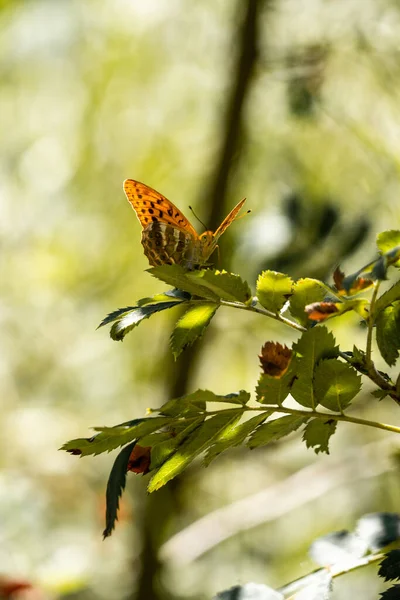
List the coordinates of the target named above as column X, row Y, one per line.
column 388, row 297
column 388, row 333
column 234, row 435
column 390, row 566
column 162, row 451
column 335, row 384
column 191, row 326
column 380, row 394
column 314, row 344
column 171, row 296
column 275, row 430
column 273, row 390
column 184, row 406
column 317, row 434
column 227, row 286
column 203, row 437
column 126, row 321
column 177, row 276
column 388, row 241
column 306, row 291
column 242, row 397
column 115, row 486
column 273, row 290
column 194, row 403
column 110, row 438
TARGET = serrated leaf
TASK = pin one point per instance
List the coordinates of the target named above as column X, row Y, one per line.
column 388, row 241
column 314, row 344
column 390, row 566
column 126, row 321
column 335, row 384
column 234, row 435
column 203, row 437
column 273, row 391
column 111, row 438
column 115, row 486
column 176, row 276
column 226, row 286
column 187, row 405
column 273, row 290
column 193, row 403
column 162, row 451
column 387, row 298
column 306, row 291
column 169, row 296
column 191, row 326
column 393, row 593
column 178, row 295
column 380, row 394
column 388, row 333
column 317, row 434
column 249, row 591
column 275, row 430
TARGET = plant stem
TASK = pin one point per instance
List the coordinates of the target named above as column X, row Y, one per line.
column 313, row 414
column 265, row 312
column 371, row 321
column 370, row 371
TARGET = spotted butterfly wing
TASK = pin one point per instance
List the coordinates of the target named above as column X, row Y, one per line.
column 168, row 237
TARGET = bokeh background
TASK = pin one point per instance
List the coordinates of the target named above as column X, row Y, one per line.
column 293, row 104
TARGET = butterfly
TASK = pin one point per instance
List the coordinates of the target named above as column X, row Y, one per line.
column 168, row 237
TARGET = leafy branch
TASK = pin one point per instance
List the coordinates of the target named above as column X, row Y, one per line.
column 314, row 372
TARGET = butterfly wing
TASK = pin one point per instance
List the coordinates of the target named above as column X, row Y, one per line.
column 164, row 244
column 228, row 220
column 152, row 207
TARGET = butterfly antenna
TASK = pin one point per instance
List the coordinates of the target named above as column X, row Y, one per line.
column 199, row 220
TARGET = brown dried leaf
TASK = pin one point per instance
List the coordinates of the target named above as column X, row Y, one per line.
column 275, row 359
column 139, row 460
column 319, row 311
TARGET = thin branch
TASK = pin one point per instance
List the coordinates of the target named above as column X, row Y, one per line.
column 314, row 414
column 266, row 313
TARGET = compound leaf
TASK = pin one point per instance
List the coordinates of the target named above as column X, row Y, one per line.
column 305, row 292
column 177, row 277
column 273, row 290
column 198, row 442
column 317, row 434
column 191, row 326
column 388, row 333
column 314, row 344
column 226, row 286
column 234, row 435
column 115, row 486
column 276, row 429
column 335, row 384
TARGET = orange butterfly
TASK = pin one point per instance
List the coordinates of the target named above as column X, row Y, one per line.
column 168, row 237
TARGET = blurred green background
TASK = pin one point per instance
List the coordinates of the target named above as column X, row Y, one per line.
column 294, row 105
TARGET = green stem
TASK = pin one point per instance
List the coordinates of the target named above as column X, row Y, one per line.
column 371, row 321
column 317, row 415
column 265, row 312
column 370, row 371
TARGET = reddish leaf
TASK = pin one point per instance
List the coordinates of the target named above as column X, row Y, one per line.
column 358, row 285
column 275, row 359
column 319, row 311
column 139, row 460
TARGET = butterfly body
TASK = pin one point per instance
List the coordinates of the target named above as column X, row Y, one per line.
column 167, row 236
